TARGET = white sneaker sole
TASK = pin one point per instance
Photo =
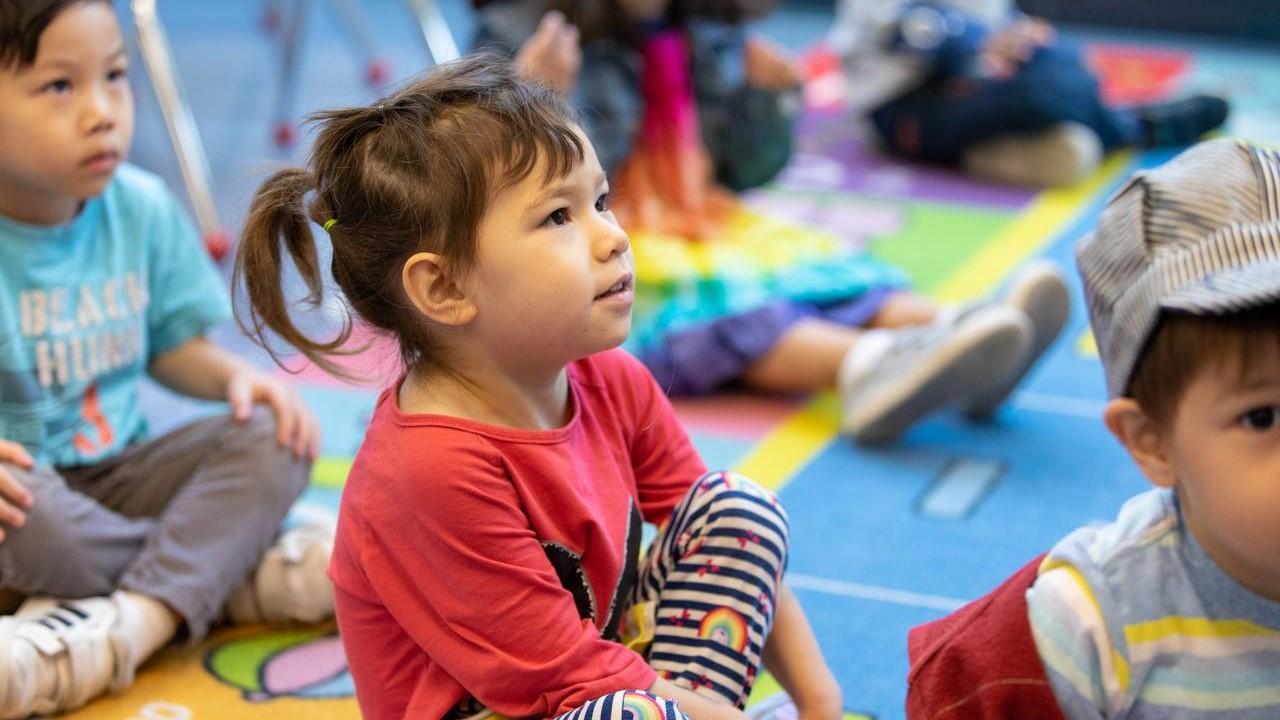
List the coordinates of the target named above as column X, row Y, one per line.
column 994, row 341
column 1042, row 296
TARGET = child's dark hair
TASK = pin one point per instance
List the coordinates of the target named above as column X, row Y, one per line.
column 412, row 173
column 22, row 23
column 1183, row 345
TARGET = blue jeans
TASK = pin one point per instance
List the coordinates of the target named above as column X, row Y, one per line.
column 948, row 114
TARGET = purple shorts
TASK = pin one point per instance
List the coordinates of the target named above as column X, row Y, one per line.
column 701, row 359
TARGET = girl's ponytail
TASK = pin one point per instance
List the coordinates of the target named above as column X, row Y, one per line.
column 414, row 172
column 277, row 219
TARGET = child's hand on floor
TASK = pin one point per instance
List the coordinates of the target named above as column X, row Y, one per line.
column 13, row 497
column 552, row 54
column 1007, row 49
column 296, row 428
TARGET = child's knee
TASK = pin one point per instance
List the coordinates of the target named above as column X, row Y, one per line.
column 46, row 555
column 730, row 495
column 1055, row 85
column 635, row 705
column 279, row 474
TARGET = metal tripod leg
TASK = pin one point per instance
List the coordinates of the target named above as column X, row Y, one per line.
column 182, row 127
column 435, row 31
column 357, row 27
column 294, row 25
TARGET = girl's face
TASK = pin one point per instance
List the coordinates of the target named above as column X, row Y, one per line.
column 554, row 278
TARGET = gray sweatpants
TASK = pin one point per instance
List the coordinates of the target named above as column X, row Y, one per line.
column 181, row 518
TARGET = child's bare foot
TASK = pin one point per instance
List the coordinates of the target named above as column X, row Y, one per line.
column 552, row 54
column 768, row 67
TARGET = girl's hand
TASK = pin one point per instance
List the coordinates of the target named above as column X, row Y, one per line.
column 14, row 498
column 296, row 428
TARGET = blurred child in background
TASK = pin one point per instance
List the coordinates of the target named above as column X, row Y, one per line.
column 977, row 84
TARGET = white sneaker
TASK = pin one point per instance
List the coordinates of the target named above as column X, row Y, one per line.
column 1059, row 156
column 56, row 655
column 893, row 378
column 1040, row 293
column 290, row 584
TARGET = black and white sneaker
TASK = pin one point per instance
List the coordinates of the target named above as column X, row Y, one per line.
column 73, row 644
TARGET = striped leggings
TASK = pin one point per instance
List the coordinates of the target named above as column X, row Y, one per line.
column 712, row 574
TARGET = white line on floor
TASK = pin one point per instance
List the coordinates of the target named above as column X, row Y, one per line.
column 873, row 592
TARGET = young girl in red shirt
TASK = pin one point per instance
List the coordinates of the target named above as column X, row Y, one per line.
column 487, row 559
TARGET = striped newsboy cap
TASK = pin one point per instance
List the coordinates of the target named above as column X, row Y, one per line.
column 1199, row 234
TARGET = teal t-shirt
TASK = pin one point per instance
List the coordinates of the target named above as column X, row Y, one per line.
column 85, row 307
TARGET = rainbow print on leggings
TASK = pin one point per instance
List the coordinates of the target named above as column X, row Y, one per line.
column 638, row 706
column 725, row 627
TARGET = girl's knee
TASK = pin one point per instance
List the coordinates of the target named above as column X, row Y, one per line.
column 642, row 705
column 630, row 705
column 729, row 492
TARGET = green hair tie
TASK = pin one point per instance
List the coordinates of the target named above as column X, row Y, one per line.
column 330, row 223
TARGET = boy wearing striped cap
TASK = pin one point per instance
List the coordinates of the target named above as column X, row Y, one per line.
column 1173, row 609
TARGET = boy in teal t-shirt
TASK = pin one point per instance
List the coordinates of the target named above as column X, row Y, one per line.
column 102, row 279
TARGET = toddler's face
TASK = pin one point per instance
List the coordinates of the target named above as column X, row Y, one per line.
column 66, row 120
column 554, row 276
column 1225, row 448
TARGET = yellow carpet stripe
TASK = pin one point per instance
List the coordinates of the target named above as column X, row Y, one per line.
column 793, row 443
column 799, row 438
column 1048, row 215
column 1088, row 346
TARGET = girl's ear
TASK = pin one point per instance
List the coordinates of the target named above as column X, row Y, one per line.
column 434, row 291
column 1143, row 438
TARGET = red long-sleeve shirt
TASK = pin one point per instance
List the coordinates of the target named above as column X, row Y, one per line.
column 443, row 566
